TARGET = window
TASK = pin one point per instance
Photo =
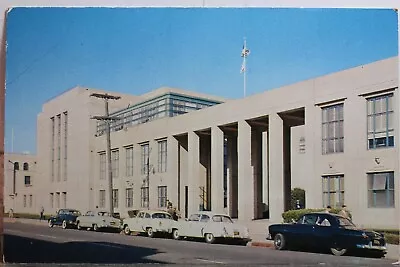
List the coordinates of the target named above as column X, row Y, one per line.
column 115, row 163
column 129, row 161
column 65, row 144
column 115, row 198
column 30, row 201
column 52, row 147
column 64, row 196
column 144, row 158
column 16, row 166
column 129, row 197
column 58, row 147
column 333, row 191
column 26, row 166
column 380, row 120
column 332, row 129
column 302, row 145
column 27, row 181
column 162, row 156
column 144, row 197
column 381, row 190
column 102, row 166
column 58, row 200
column 162, row 196
column 102, row 199
column 24, row 201
column 52, row 200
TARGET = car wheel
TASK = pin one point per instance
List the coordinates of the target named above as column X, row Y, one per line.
column 175, row 234
column 64, row 224
column 127, row 231
column 95, row 227
column 150, row 232
column 209, row 238
column 338, row 251
column 51, row 224
column 78, row 226
column 279, row 242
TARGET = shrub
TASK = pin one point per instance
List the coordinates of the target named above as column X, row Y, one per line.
column 296, row 214
column 298, row 194
column 28, row 216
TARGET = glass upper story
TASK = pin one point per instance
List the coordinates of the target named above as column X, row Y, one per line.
column 167, row 105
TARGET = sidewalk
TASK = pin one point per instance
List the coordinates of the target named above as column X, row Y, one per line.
column 258, row 233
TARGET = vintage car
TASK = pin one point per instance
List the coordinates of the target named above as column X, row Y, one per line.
column 97, row 221
column 150, row 222
column 64, row 217
column 328, row 231
column 212, row 226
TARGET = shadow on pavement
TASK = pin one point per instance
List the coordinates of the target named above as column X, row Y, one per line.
column 19, row 249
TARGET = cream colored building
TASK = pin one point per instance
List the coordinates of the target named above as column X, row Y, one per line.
column 335, row 136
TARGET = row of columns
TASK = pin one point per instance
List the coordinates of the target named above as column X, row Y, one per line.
column 247, row 201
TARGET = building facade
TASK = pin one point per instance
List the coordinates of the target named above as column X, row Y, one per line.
column 335, row 136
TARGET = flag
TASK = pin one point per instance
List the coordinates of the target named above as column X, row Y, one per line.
column 245, row 51
column 245, row 54
column 243, row 68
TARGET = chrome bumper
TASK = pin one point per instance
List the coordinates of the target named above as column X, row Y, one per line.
column 372, row 247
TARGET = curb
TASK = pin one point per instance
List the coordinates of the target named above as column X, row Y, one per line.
column 262, row 244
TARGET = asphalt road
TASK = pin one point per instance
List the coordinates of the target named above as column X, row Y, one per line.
column 26, row 243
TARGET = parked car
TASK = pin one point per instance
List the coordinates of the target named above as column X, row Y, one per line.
column 64, row 217
column 326, row 230
column 97, row 221
column 212, row 226
column 150, row 222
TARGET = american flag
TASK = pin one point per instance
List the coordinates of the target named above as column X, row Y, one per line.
column 245, row 51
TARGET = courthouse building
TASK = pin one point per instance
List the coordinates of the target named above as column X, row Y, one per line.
column 335, row 136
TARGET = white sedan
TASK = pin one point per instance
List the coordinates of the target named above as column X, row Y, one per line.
column 97, row 221
column 212, row 226
column 150, row 222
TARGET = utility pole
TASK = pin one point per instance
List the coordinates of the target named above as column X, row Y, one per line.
column 107, row 119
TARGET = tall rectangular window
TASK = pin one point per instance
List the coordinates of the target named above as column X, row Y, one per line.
column 144, row 158
column 102, row 165
column 115, row 163
column 24, row 201
column 162, row 156
column 129, row 197
column 144, row 192
column 65, row 144
column 129, row 161
column 115, row 198
column 380, row 120
column 381, row 190
column 52, row 200
column 64, row 200
column 30, row 201
column 52, row 147
column 102, row 199
column 162, row 196
column 59, row 147
column 27, row 181
column 332, row 129
column 333, row 191
column 58, row 200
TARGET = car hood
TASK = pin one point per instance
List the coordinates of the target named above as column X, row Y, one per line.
column 370, row 233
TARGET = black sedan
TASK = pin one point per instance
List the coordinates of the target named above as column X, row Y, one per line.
column 64, row 217
column 326, row 230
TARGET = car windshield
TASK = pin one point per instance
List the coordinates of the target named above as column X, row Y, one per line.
column 161, row 216
column 74, row 212
column 345, row 222
column 103, row 213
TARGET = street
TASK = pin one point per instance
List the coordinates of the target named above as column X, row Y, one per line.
column 26, row 243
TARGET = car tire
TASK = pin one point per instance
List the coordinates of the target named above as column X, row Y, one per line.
column 279, row 242
column 95, row 227
column 150, row 232
column 338, row 251
column 50, row 224
column 210, row 239
column 175, row 234
column 64, row 225
column 127, row 231
column 78, row 226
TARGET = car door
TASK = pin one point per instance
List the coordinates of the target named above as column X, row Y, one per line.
column 191, row 228
column 303, row 232
column 324, row 230
column 60, row 217
column 204, row 225
column 135, row 222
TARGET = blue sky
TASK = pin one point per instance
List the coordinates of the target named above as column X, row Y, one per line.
column 137, row 50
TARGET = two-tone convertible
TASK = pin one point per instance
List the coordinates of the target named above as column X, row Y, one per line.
column 326, row 230
column 98, row 221
column 212, row 226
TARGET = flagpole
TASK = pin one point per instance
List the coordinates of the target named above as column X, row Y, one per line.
column 12, row 140
column 245, row 70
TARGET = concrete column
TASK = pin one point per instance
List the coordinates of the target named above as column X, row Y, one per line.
column 314, row 182
column 276, row 170
column 173, row 182
column 265, row 157
column 247, row 208
column 217, row 170
column 193, row 172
